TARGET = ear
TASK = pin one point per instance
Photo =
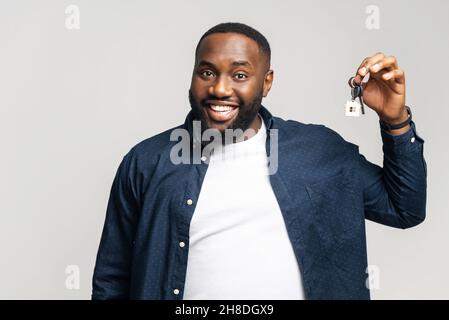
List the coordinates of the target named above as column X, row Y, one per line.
column 267, row 82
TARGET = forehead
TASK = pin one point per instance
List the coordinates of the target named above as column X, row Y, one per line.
column 228, row 47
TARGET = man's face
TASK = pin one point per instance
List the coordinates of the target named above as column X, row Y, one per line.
column 230, row 77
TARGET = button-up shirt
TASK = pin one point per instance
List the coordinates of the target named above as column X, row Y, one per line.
column 324, row 187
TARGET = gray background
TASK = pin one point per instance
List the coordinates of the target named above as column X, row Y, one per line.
column 73, row 102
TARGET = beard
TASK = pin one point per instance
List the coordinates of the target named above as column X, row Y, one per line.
column 246, row 114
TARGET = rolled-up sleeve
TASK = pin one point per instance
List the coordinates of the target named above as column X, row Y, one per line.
column 395, row 195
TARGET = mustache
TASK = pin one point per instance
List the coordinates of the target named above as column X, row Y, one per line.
column 211, row 100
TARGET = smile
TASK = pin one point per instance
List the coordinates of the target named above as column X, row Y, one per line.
column 221, row 113
column 222, row 108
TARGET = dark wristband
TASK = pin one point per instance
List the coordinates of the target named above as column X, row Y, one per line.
column 387, row 126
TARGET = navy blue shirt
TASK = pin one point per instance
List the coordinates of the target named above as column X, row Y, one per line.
column 325, row 189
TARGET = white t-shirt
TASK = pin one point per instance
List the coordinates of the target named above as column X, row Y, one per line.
column 238, row 246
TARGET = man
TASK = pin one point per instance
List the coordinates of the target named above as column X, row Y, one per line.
column 227, row 227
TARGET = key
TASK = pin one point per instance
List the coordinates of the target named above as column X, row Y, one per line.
column 352, row 107
column 357, row 92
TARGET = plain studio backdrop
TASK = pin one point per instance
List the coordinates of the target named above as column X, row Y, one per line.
column 74, row 101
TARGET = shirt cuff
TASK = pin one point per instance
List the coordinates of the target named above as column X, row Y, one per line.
column 408, row 141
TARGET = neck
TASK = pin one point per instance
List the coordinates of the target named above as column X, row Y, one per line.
column 252, row 129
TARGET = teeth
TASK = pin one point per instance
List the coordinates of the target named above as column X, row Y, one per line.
column 221, row 108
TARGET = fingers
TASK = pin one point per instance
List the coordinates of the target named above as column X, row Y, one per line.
column 358, row 77
column 377, row 63
column 368, row 63
column 380, row 67
column 396, row 75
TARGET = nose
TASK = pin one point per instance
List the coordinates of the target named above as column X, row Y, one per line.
column 221, row 88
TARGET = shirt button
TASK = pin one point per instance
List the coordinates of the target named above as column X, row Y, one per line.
column 412, row 139
column 189, row 202
column 176, row 291
column 182, row 244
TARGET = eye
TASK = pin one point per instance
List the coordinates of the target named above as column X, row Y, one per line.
column 206, row 73
column 241, row 76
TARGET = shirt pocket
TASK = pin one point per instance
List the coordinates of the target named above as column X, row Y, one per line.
column 336, row 211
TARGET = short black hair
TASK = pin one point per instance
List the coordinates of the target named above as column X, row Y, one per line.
column 241, row 28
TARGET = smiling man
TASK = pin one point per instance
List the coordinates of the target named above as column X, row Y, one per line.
column 227, row 227
column 239, row 70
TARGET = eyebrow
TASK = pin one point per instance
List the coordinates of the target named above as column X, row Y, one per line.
column 235, row 63
column 241, row 63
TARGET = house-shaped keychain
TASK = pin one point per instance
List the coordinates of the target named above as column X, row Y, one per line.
column 352, row 107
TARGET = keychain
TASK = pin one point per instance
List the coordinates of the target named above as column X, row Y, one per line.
column 352, row 107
